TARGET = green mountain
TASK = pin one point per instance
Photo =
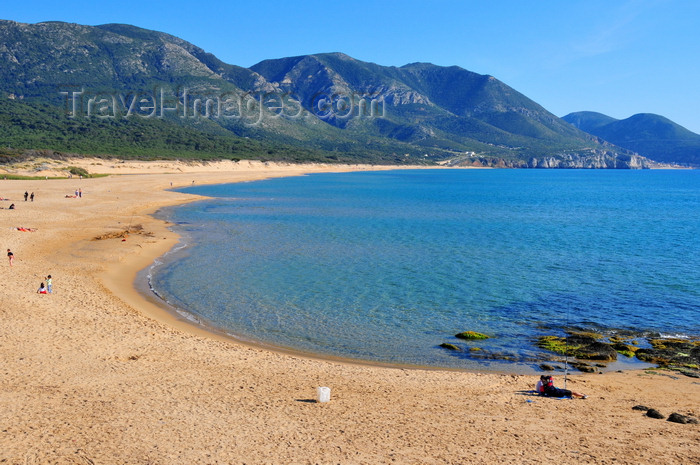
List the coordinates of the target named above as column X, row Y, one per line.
column 588, row 121
column 427, row 104
column 652, row 136
column 119, row 89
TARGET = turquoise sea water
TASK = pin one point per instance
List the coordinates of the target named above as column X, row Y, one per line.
column 384, row 266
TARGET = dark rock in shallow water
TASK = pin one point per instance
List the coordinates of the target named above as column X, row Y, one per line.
column 584, row 367
column 643, row 408
column 627, row 350
column 682, row 419
column 546, row 367
column 585, row 346
column 653, row 413
column 582, row 338
column 448, row 346
column 675, row 352
column 597, row 351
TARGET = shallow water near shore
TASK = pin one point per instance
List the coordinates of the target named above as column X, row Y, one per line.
column 386, row 266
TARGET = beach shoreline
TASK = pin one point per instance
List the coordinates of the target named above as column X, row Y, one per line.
column 154, row 306
column 139, row 295
column 96, row 372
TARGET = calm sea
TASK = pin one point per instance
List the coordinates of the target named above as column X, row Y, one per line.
column 385, row 266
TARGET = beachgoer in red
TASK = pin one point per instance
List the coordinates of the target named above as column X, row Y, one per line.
column 545, row 387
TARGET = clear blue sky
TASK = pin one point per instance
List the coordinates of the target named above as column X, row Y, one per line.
column 615, row 57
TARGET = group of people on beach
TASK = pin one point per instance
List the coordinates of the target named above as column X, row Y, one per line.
column 78, row 194
column 48, row 288
column 12, row 205
column 43, row 288
column 27, row 196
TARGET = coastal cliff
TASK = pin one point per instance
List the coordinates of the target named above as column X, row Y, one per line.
column 595, row 160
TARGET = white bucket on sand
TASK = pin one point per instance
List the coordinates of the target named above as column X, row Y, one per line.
column 324, row 394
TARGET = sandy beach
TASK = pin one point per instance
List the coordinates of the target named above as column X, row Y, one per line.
column 97, row 374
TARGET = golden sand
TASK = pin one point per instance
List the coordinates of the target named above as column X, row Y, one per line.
column 97, row 374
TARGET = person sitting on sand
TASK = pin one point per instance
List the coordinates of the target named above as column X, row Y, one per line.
column 42, row 289
column 545, row 387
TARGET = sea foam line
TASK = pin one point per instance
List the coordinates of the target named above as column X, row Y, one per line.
column 191, row 317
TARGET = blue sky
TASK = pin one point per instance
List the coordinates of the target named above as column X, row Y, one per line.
column 615, row 57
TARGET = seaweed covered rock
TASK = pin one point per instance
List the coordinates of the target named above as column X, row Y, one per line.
column 683, row 354
column 583, row 367
column 586, row 346
column 471, row 335
column 672, row 352
column 628, row 350
column 555, row 344
column 583, row 337
column 653, row 413
column 597, row 351
column 448, row 346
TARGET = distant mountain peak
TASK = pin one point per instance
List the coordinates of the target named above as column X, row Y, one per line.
column 651, row 135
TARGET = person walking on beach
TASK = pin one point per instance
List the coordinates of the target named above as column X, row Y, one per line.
column 31, row 197
column 10, row 256
column 545, row 387
column 26, row 194
column 49, row 284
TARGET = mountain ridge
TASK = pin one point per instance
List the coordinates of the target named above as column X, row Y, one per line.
column 327, row 103
column 653, row 136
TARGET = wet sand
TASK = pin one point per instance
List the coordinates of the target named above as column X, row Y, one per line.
column 96, row 373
